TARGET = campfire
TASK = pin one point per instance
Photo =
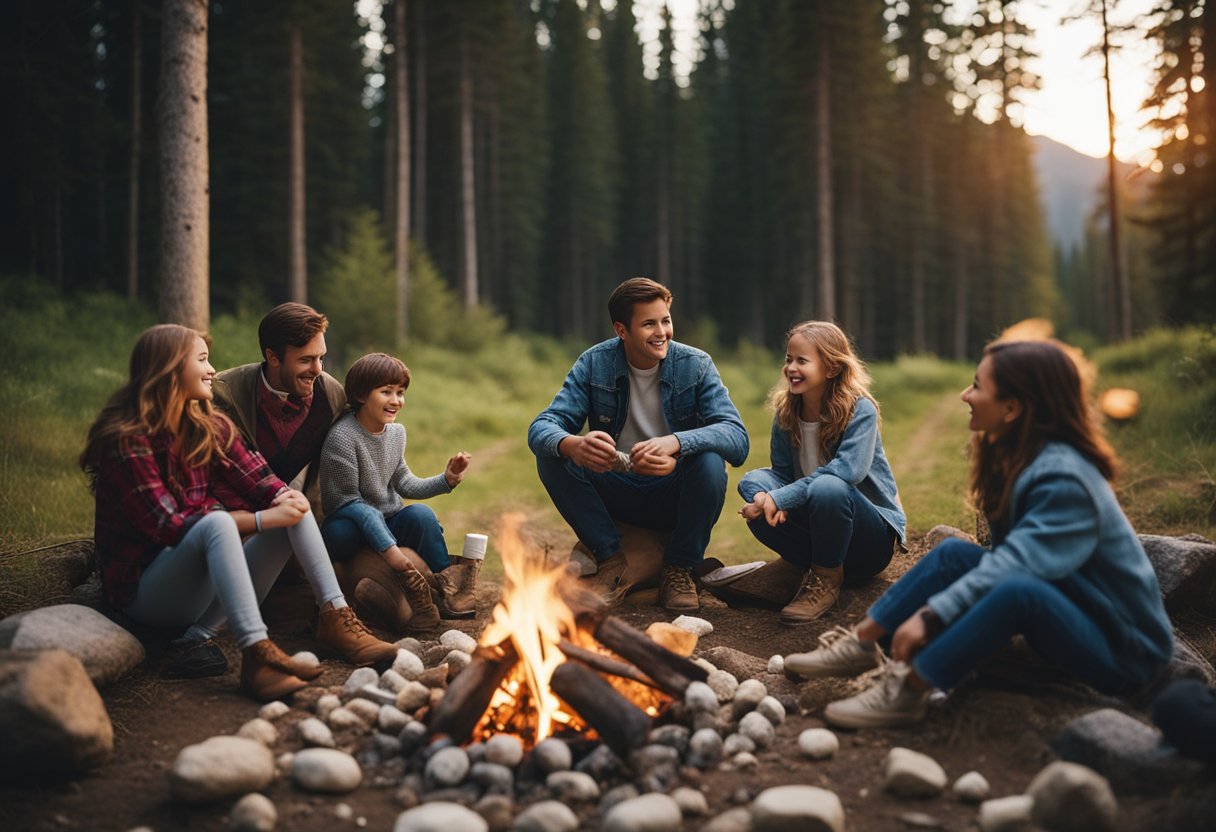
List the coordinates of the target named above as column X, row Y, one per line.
column 553, row 662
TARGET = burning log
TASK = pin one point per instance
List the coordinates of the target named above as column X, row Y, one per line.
column 621, row 725
column 671, row 673
column 469, row 694
column 605, row 664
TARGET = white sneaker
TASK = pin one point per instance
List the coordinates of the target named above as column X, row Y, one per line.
column 888, row 703
column 840, row 653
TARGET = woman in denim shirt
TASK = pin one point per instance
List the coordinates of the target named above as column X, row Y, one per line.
column 1066, row 570
column 828, row 505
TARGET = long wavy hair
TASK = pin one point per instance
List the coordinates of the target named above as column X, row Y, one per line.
column 848, row 381
column 153, row 401
column 1055, row 407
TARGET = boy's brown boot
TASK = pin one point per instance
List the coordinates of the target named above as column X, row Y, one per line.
column 458, row 587
column 265, row 673
column 818, row 593
column 418, row 592
column 339, row 629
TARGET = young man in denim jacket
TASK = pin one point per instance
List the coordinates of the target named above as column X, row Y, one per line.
column 661, row 427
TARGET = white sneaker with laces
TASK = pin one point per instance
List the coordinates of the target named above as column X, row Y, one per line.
column 840, row 653
column 888, row 703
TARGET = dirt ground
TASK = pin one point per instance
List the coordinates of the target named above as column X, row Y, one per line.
column 1000, row 724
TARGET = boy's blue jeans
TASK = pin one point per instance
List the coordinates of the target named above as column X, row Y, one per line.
column 837, row 525
column 686, row 502
column 1052, row 623
column 358, row 524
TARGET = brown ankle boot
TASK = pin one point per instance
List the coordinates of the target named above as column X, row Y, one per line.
column 818, row 593
column 340, row 630
column 458, row 588
column 264, row 673
column 418, row 592
column 678, row 589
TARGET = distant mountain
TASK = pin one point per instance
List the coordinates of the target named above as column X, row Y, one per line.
column 1070, row 187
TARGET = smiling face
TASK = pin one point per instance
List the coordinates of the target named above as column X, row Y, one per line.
column 648, row 334
column 381, row 407
column 990, row 413
column 197, row 372
column 805, row 369
column 297, row 370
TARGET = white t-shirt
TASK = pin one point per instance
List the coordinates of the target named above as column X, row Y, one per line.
column 645, row 419
column 808, row 454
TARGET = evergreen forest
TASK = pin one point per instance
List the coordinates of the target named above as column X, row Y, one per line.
column 853, row 160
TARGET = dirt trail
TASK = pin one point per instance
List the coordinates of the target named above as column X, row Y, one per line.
column 924, row 448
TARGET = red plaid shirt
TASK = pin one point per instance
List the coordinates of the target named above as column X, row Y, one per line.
column 147, row 500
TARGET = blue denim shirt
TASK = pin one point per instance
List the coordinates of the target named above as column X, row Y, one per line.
column 696, row 403
column 858, row 459
column 1066, row 527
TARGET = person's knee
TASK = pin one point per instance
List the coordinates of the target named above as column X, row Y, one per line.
column 420, row 513
column 828, row 491
column 706, row 471
column 954, row 551
column 757, row 480
column 1023, row 593
column 556, row 472
column 219, row 524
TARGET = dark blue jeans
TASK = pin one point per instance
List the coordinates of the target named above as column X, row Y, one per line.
column 358, row 524
column 1052, row 623
column 686, row 502
column 837, row 525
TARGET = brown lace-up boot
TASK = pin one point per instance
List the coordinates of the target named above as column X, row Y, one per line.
column 458, row 587
column 678, row 590
column 340, row 630
column 418, row 592
column 819, row 591
column 265, row 673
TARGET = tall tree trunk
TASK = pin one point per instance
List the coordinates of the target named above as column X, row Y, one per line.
column 418, row 180
column 299, row 255
column 137, row 121
column 823, row 179
column 468, row 204
column 184, row 171
column 401, row 225
column 1121, row 312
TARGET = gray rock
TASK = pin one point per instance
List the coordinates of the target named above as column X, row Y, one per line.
column 326, row 770
column 497, row 810
column 756, row 727
column 909, row 773
column 52, row 719
column 253, row 813
column 676, row 736
column 704, row 748
column 368, row 709
column 738, row 819
column 260, row 730
column 411, row 644
column 344, row 719
column 724, row 684
column 546, row 816
column 691, row 624
column 737, row 743
column 692, row 803
column 648, row 813
column 747, row 696
column 818, row 743
column 572, row 786
column 601, row 763
column 771, row 709
column 407, row 666
column 326, row 705
column 618, row 794
column 1186, row 663
column 1131, row 755
column 700, row 698
column 739, row 664
column 939, row 533
column 920, row 820
column 1185, row 567
column 390, row 720
column 1005, row 814
column 107, row 651
column 440, row 817
column 804, row 808
column 447, row 767
column 552, row 755
column 314, row 732
column 494, row 778
column 412, row 697
column 457, row 660
column 458, row 640
column 1072, row 798
column 358, row 678
column 273, row 710
column 220, row 768
column 504, row 749
column 376, row 695
column 972, row 787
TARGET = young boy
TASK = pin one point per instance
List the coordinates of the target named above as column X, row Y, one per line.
column 364, row 477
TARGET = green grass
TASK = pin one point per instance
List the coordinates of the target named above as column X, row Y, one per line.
column 63, row 358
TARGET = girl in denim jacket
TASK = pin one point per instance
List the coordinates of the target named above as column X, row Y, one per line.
column 1066, row 570
column 828, row 505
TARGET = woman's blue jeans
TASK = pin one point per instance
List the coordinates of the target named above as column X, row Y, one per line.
column 686, row 502
column 358, row 524
column 1052, row 623
column 837, row 525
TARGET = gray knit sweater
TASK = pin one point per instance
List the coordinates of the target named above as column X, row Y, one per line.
column 357, row 465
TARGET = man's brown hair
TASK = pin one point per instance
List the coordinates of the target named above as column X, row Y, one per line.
column 633, row 291
column 373, row 370
column 289, row 325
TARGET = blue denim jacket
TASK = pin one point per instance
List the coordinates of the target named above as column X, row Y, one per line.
column 858, row 459
column 1066, row 527
column 596, row 393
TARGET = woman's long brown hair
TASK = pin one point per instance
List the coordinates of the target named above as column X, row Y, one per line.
column 153, row 401
column 1055, row 407
column 849, row 382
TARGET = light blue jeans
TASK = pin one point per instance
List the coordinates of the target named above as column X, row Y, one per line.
column 1052, row 623
column 210, row 577
column 358, row 524
column 837, row 525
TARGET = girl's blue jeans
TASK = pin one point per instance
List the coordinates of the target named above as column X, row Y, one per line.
column 1053, row 624
column 837, row 525
column 358, row 524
